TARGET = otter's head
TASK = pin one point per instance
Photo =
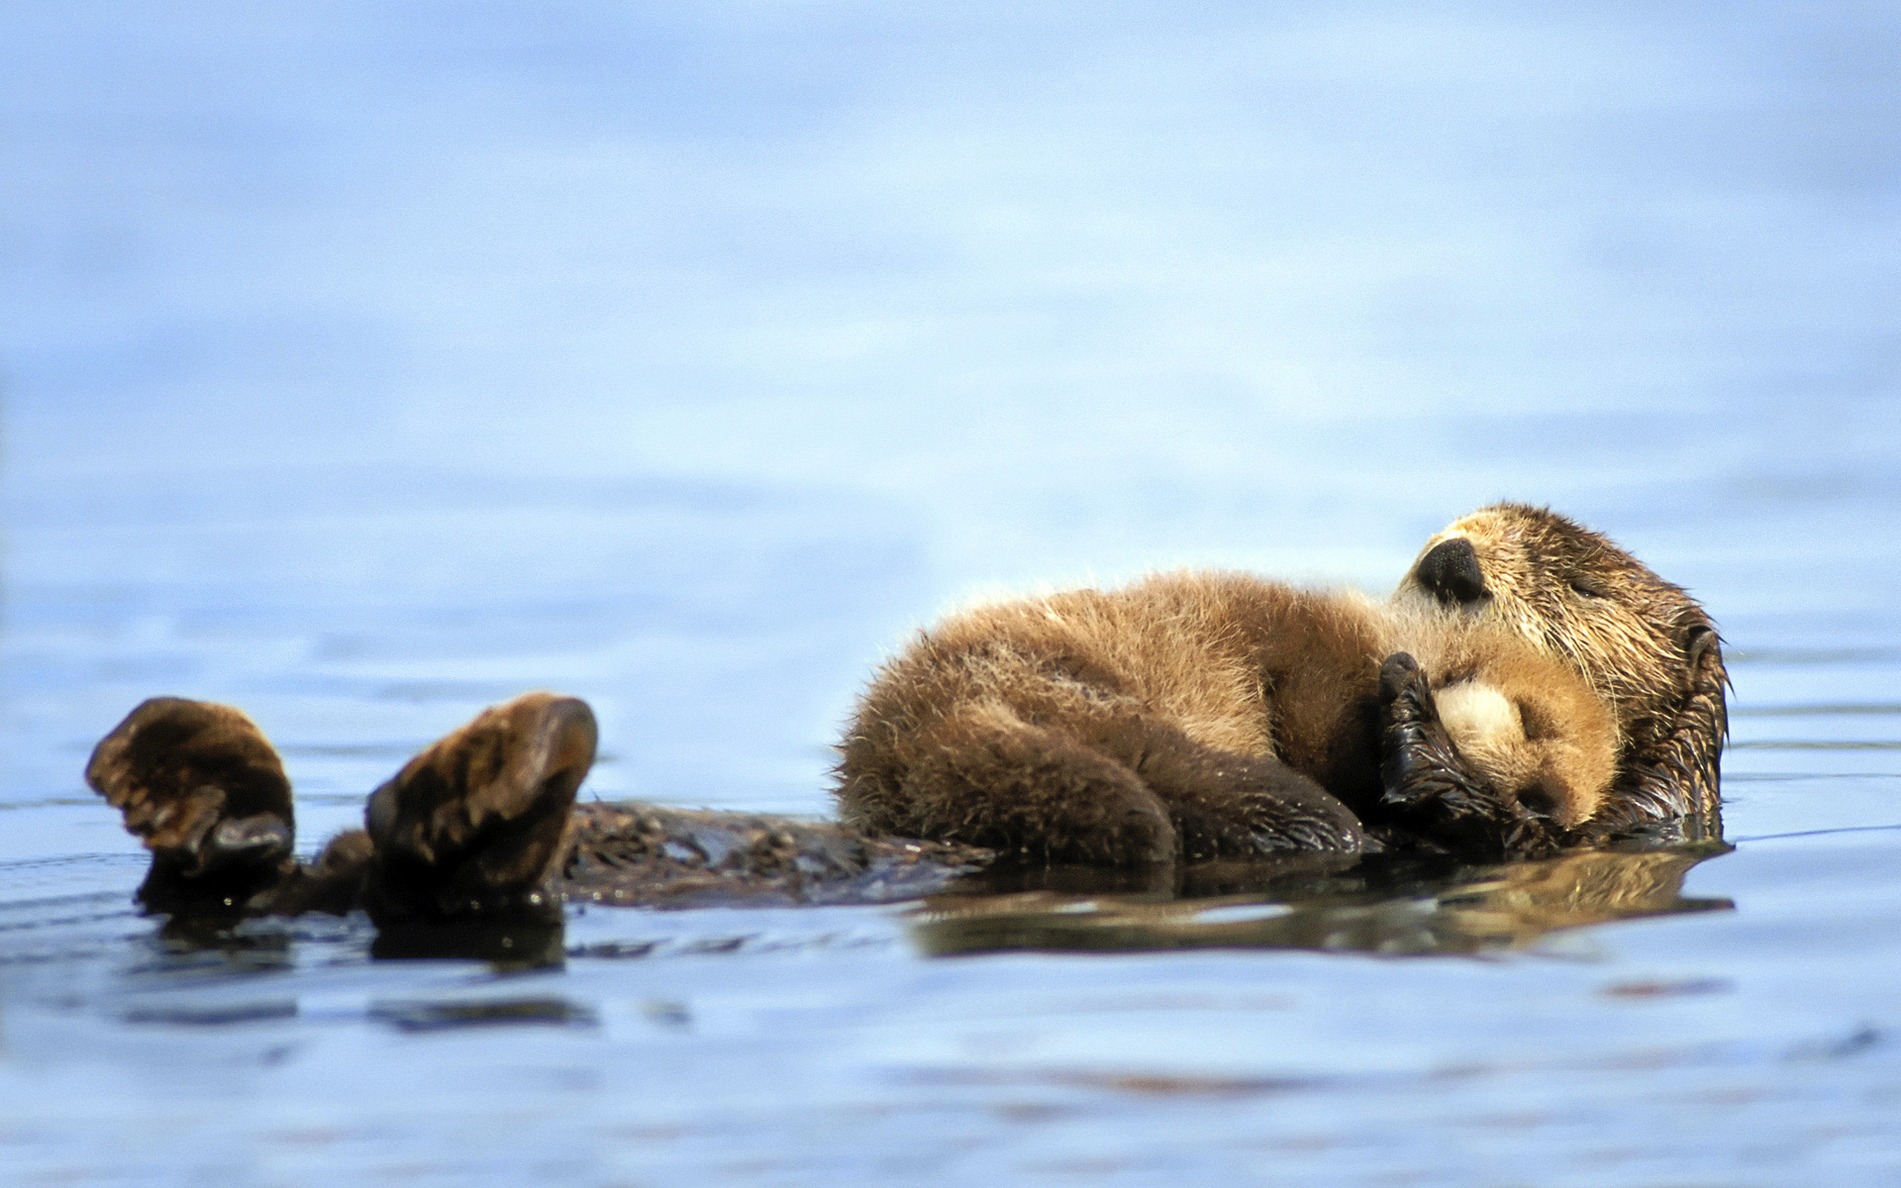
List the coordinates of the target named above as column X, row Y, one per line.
column 1643, row 644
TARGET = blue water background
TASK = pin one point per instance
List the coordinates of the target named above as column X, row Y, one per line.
column 362, row 364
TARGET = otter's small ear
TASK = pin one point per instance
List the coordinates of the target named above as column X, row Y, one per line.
column 1698, row 642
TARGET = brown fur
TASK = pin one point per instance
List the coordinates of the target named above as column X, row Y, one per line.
column 640, row 854
column 1192, row 716
column 1647, row 647
column 1196, row 716
column 481, row 825
column 471, row 825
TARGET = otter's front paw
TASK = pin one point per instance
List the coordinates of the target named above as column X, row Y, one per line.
column 1418, row 762
column 202, row 788
column 1425, row 785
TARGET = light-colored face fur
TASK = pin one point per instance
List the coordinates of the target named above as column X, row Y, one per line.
column 1528, row 726
column 1572, row 593
column 1479, row 716
column 1551, row 749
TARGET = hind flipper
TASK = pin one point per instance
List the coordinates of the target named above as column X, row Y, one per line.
column 987, row 778
column 472, row 825
column 204, row 790
column 1228, row 805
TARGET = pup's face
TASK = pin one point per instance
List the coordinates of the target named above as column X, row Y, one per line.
column 1641, row 643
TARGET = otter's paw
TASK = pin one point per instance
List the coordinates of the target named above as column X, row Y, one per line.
column 1424, row 782
column 1427, row 787
column 1418, row 762
column 202, row 788
column 472, row 824
column 1230, row 805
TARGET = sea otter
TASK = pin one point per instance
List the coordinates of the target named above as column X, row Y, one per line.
column 482, row 823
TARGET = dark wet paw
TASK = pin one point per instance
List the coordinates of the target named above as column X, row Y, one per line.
column 198, row 784
column 1400, row 676
column 1426, row 788
column 472, row 824
column 1417, row 758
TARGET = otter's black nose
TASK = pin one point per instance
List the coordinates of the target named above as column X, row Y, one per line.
column 1451, row 572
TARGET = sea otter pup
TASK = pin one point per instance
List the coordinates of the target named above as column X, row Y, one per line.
column 1199, row 716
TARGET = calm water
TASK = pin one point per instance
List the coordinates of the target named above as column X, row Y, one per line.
column 364, row 364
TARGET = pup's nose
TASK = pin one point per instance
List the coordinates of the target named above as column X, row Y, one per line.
column 1450, row 571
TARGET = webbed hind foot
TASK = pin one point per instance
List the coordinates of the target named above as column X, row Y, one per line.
column 200, row 785
column 472, row 825
column 1230, row 805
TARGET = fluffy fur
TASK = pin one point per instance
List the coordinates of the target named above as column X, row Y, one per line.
column 1196, row 716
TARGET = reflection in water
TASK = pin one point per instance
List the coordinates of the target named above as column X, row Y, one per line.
column 1377, row 905
column 216, row 1015
column 505, row 944
column 444, row 1016
column 1409, row 904
column 188, row 943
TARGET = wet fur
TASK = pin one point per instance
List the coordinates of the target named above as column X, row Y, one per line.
column 1644, row 645
column 204, row 791
column 481, row 825
column 469, row 827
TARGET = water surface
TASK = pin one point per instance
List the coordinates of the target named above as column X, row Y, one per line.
column 362, row 366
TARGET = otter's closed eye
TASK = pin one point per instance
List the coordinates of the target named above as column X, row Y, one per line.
column 1586, row 588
